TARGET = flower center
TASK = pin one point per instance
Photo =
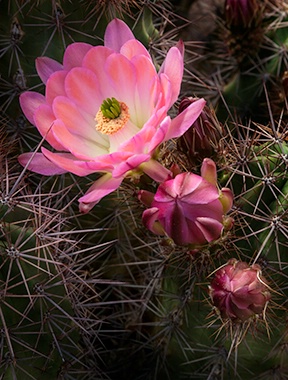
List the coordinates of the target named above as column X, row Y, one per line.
column 112, row 116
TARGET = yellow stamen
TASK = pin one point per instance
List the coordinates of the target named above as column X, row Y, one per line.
column 109, row 126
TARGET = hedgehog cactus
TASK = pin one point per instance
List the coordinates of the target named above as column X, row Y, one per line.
column 175, row 265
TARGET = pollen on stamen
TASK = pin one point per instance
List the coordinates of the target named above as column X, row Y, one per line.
column 109, row 126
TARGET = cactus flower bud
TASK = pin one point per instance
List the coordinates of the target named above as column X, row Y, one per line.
column 239, row 291
column 241, row 13
column 187, row 208
column 202, row 139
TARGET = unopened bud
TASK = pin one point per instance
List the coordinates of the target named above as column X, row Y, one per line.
column 187, row 209
column 203, row 138
column 242, row 13
column 239, row 291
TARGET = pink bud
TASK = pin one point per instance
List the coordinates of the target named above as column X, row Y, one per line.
column 239, row 291
column 188, row 209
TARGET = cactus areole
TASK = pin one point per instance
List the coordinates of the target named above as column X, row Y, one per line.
column 105, row 110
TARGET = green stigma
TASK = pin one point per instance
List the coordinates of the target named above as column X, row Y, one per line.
column 111, row 108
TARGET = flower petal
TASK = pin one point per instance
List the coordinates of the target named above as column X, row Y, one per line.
column 44, row 120
column 210, row 228
column 99, row 54
column 166, row 90
column 159, row 135
column 81, row 147
column 116, row 34
column 122, row 77
column 46, row 67
column 134, row 48
column 74, row 54
column 173, row 68
column 185, row 119
column 130, row 164
column 55, row 86
column 38, row 163
column 100, row 188
column 29, row 102
column 156, row 171
column 68, row 162
column 145, row 92
column 150, row 221
column 66, row 110
column 82, row 87
column 119, row 139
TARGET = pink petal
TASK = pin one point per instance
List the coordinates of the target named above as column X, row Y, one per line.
column 175, row 224
column 195, row 190
column 195, row 235
column 150, row 221
column 102, row 187
column 46, row 67
column 144, row 140
column 69, row 163
column 122, row 79
column 116, row 34
column 160, row 135
column 81, row 147
column 44, row 120
column 210, row 228
column 166, row 89
column 242, row 301
column 134, row 48
column 156, row 171
column 211, row 210
column 173, row 68
column 185, row 119
column 95, row 60
column 55, row 86
column 66, row 110
column 38, row 163
column 185, row 185
column 146, row 89
column 138, row 143
column 74, row 55
column 29, row 102
column 82, row 87
column 130, row 164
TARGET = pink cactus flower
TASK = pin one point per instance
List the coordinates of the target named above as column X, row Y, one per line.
column 239, row 291
column 189, row 208
column 105, row 110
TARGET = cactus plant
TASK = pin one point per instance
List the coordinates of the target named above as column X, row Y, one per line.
column 120, row 288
